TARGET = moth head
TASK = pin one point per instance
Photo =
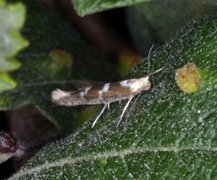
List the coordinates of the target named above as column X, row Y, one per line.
column 146, row 83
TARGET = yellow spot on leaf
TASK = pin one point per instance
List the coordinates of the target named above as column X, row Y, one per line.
column 87, row 113
column 127, row 59
column 188, row 78
column 61, row 63
column 1, row 102
column 61, row 55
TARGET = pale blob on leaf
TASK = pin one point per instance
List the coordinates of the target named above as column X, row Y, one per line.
column 61, row 63
column 188, row 78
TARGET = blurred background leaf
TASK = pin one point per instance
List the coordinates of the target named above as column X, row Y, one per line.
column 56, row 53
column 11, row 19
column 157, row 21
column 91, row 6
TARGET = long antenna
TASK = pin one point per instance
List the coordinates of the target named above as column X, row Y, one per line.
column 156, row 71
column 149, row 54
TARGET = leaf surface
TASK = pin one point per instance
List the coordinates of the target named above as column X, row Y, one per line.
column 165, row 134
column 91, row 6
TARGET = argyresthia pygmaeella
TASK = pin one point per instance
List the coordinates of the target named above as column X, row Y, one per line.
column 106, row 94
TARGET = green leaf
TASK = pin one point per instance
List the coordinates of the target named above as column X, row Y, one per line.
column 11, row 19
column 56, row 53
column 158, row 21
column 92, row 6
column 166, row 134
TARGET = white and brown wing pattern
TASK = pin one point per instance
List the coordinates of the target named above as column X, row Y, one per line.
column 102, row 94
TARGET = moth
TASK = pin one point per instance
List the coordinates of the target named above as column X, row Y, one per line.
column 103, row 94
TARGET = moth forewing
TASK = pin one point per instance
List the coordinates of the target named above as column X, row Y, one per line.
column 103, row 94
column 66, row 98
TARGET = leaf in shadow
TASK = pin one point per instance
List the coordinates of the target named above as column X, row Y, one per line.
column 57, row 53
column 157, row 21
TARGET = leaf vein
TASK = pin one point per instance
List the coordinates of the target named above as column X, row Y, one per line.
column 103, row 155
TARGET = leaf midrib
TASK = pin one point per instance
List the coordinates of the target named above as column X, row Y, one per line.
column 104, row 155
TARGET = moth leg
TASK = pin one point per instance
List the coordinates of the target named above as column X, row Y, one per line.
column 103, row 109
column 124, row 110
column 132, row 106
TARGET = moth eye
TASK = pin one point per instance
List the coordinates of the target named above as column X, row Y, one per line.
column 148, row 85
